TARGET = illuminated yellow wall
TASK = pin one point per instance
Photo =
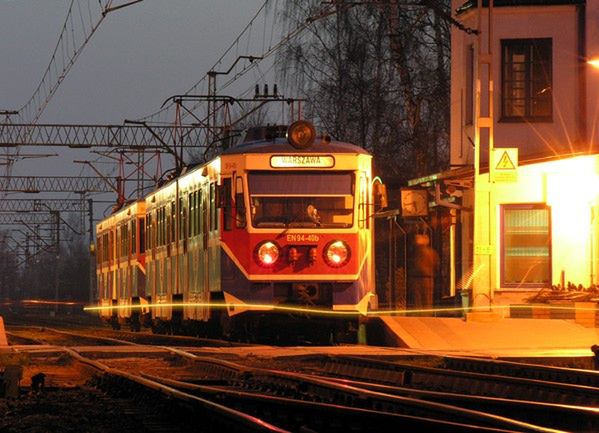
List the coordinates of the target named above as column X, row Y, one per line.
column 571, row 188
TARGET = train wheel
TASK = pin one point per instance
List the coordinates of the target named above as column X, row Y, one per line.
column 135, row 324
column 114, row 323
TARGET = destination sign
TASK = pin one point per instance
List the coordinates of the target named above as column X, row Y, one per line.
column 296, row 161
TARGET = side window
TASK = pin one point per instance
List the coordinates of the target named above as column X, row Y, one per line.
column 182, row 219
column 133, row 237
column 202, row 214
column 227, row 205
column 105, row 247
column 160, row 227
column 363, row 203
column 192, row 209
column 149, row 231
column 173, row 222
column 212, row 206
column 111, row 245
column 240, row 204
column 142, row 235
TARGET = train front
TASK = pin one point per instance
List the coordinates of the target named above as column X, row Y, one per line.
column 297, row 230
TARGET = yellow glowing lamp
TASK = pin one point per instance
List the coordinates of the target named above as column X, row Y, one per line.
column 336, row 253
column 301, row 134
column 594, row 62
column 268, row 253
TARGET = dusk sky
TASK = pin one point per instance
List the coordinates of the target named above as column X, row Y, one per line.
column 138, row 57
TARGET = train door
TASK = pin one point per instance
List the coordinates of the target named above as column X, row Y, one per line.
column 204, row 236
column 182, row 246
column 214, row 242
column 203, row 274
column 365, row 233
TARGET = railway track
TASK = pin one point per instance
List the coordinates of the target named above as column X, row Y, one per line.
column 457, row 375
column 503, row 413
column 103, row 337
column 335, row 393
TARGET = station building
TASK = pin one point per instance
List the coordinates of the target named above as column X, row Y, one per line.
column 519, row 207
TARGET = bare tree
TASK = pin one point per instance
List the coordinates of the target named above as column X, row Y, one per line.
column 376, row 75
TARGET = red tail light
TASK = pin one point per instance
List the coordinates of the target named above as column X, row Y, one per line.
column 293, row 255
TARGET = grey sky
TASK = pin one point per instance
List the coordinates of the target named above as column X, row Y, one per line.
column 139, row 56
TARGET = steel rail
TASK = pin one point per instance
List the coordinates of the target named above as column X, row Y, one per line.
column 240, row 421
column 322, row 416
column 431, row 378
column 333, row 392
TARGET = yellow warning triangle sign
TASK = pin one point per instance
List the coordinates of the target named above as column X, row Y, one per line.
column 505, row 163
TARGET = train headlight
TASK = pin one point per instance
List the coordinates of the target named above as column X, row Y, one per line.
column 336, row 253
column 301, row 134
column 268, row 253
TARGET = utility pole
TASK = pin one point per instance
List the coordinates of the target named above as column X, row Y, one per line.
column 56, row 271
column 92, row 252
column 484, row 225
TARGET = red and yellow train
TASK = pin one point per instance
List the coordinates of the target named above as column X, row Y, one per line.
column 273, row 227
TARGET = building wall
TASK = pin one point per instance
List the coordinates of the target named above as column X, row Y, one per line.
column 570, row 185
column 592, row 76
column 561, row 135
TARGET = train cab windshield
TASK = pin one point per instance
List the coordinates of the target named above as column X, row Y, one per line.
column 302, row 199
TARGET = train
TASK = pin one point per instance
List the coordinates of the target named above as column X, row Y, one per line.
column 272, row 235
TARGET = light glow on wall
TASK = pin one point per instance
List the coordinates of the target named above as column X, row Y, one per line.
column 571, row 189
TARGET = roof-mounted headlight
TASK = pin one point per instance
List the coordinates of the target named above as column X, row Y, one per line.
column 301, row 134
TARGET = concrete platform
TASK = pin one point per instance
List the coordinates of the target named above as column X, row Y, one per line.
column 497, row 337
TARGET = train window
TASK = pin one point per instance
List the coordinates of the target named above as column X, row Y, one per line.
column 198, row 211
column 192, row 208
column 126, row 240
column 302, row 199
column 226, row 204
column 98, row 249
column 212, row 206
column 202, row 213
column 173, row 222
column 105, row 247
column 142, row 235
column 240, row 219
column 149, row 231
column 364, row 203
column 111, row 246
column 182, row 220
column 163, row 225
column 156, row 229
column 121, row 241
column 159, row 226
column 133, row 237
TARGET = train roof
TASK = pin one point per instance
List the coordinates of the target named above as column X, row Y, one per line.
column 281, row 145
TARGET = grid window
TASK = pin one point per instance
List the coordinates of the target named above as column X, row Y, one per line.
column 526, row 246
column 526, row 79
